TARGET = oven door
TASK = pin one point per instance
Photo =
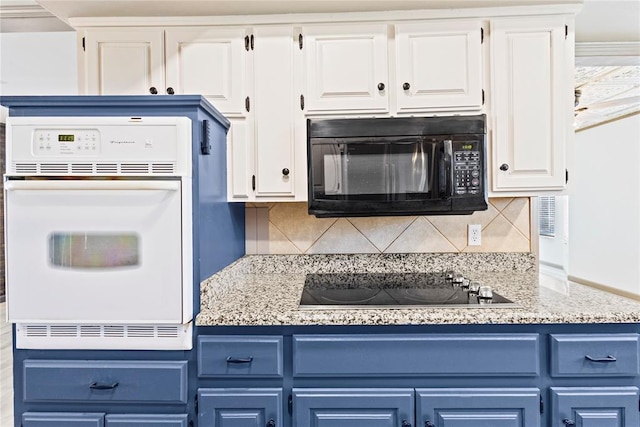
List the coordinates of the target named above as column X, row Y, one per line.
column 94, row 251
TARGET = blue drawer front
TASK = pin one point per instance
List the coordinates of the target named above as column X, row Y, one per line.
column 240, row 356
column 105, row 381
column 414, row 355
column 503, row 407
column 595, row 355
column 352, row 407
column 141, row 420
column 59, row 419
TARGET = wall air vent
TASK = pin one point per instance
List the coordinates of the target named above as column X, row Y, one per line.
column 104, row 337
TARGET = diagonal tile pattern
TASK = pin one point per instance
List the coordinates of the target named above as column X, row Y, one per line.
column 505, row 228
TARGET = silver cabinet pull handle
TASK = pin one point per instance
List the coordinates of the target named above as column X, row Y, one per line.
column 608, row 359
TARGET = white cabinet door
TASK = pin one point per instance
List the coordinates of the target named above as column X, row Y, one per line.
column 533, row 101
column 439, row 65
column 345, row 66
column 122, row 61
column 274, row 114
column 240, row 160
column 209, row 62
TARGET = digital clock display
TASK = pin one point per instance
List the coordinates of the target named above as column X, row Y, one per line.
column 467, row 147
column 66, row 138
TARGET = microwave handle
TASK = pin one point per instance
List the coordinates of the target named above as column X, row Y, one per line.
column 445, row 178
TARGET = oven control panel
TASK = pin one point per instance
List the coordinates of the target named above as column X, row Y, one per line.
column 54, row 142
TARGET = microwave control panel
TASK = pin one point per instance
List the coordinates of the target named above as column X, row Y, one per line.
column 467, row 168
column 48, row 142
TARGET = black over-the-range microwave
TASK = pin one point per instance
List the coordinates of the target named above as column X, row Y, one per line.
column 397, row 166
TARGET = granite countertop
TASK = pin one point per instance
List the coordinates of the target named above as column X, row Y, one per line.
column 264, row 290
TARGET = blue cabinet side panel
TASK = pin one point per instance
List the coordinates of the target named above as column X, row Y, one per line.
column 59, row 419
column 142, row 420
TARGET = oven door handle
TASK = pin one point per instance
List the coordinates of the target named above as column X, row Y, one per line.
column 167, row 185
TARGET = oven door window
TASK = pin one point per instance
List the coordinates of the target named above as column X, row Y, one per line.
column 94, row 251
column 373, row 169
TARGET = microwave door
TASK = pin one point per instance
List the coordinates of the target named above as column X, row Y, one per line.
column 445, row 184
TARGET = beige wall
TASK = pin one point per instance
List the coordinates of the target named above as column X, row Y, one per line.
column 286, row 228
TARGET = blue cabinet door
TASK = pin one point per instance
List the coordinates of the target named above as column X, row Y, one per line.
column 595, row 406
column 143, row 420
column 486, row 407
column 227, row 407
column 62, row 419
column 320, row 407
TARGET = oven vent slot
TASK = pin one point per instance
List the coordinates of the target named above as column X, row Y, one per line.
column 83, row 168
column 30, row 168
column 36, row 330
column 113, row 331
column 134, row 168
column 162, row 168
column 124, row 337
column 111, row 168
column 54, row 168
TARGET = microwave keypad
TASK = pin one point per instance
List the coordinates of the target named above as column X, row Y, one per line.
column 467, row 172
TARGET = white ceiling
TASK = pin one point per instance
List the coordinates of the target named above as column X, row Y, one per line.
column 614, row 22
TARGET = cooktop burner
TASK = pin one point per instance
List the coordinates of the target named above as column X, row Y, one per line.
column 399, row 290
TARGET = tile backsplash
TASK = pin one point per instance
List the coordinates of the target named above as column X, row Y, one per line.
column 287, row 228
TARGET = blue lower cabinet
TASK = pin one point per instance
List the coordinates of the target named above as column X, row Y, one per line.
column 595, row 407
column 235, row 407
column 140, row 420
column 62, row 419
column 485, row 407
column 330, row 407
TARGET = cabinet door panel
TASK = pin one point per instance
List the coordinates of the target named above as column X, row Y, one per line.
column 352, row 407
column 141, row 420
column 61, row 419
column 442, row 63
column 274, row 129
column 344, row 65
column 533, row 103
column 124, row 62
column 502, row 407
column 595, row 406
column 239, row 407
column 209, row 62
column 240, row 160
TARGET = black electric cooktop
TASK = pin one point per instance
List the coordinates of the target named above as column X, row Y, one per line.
column 396, row 290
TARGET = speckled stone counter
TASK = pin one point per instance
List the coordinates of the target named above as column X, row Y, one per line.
column 264, row 290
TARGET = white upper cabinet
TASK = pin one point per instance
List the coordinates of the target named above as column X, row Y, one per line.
column 532, row 100
column 124, row 61
column 275, row 146
column 439, row 65
column 346, row 68
column 211, row 62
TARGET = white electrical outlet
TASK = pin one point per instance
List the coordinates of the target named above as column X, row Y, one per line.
column 475, row 235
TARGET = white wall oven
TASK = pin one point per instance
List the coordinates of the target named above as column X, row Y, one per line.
column 98, row 232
